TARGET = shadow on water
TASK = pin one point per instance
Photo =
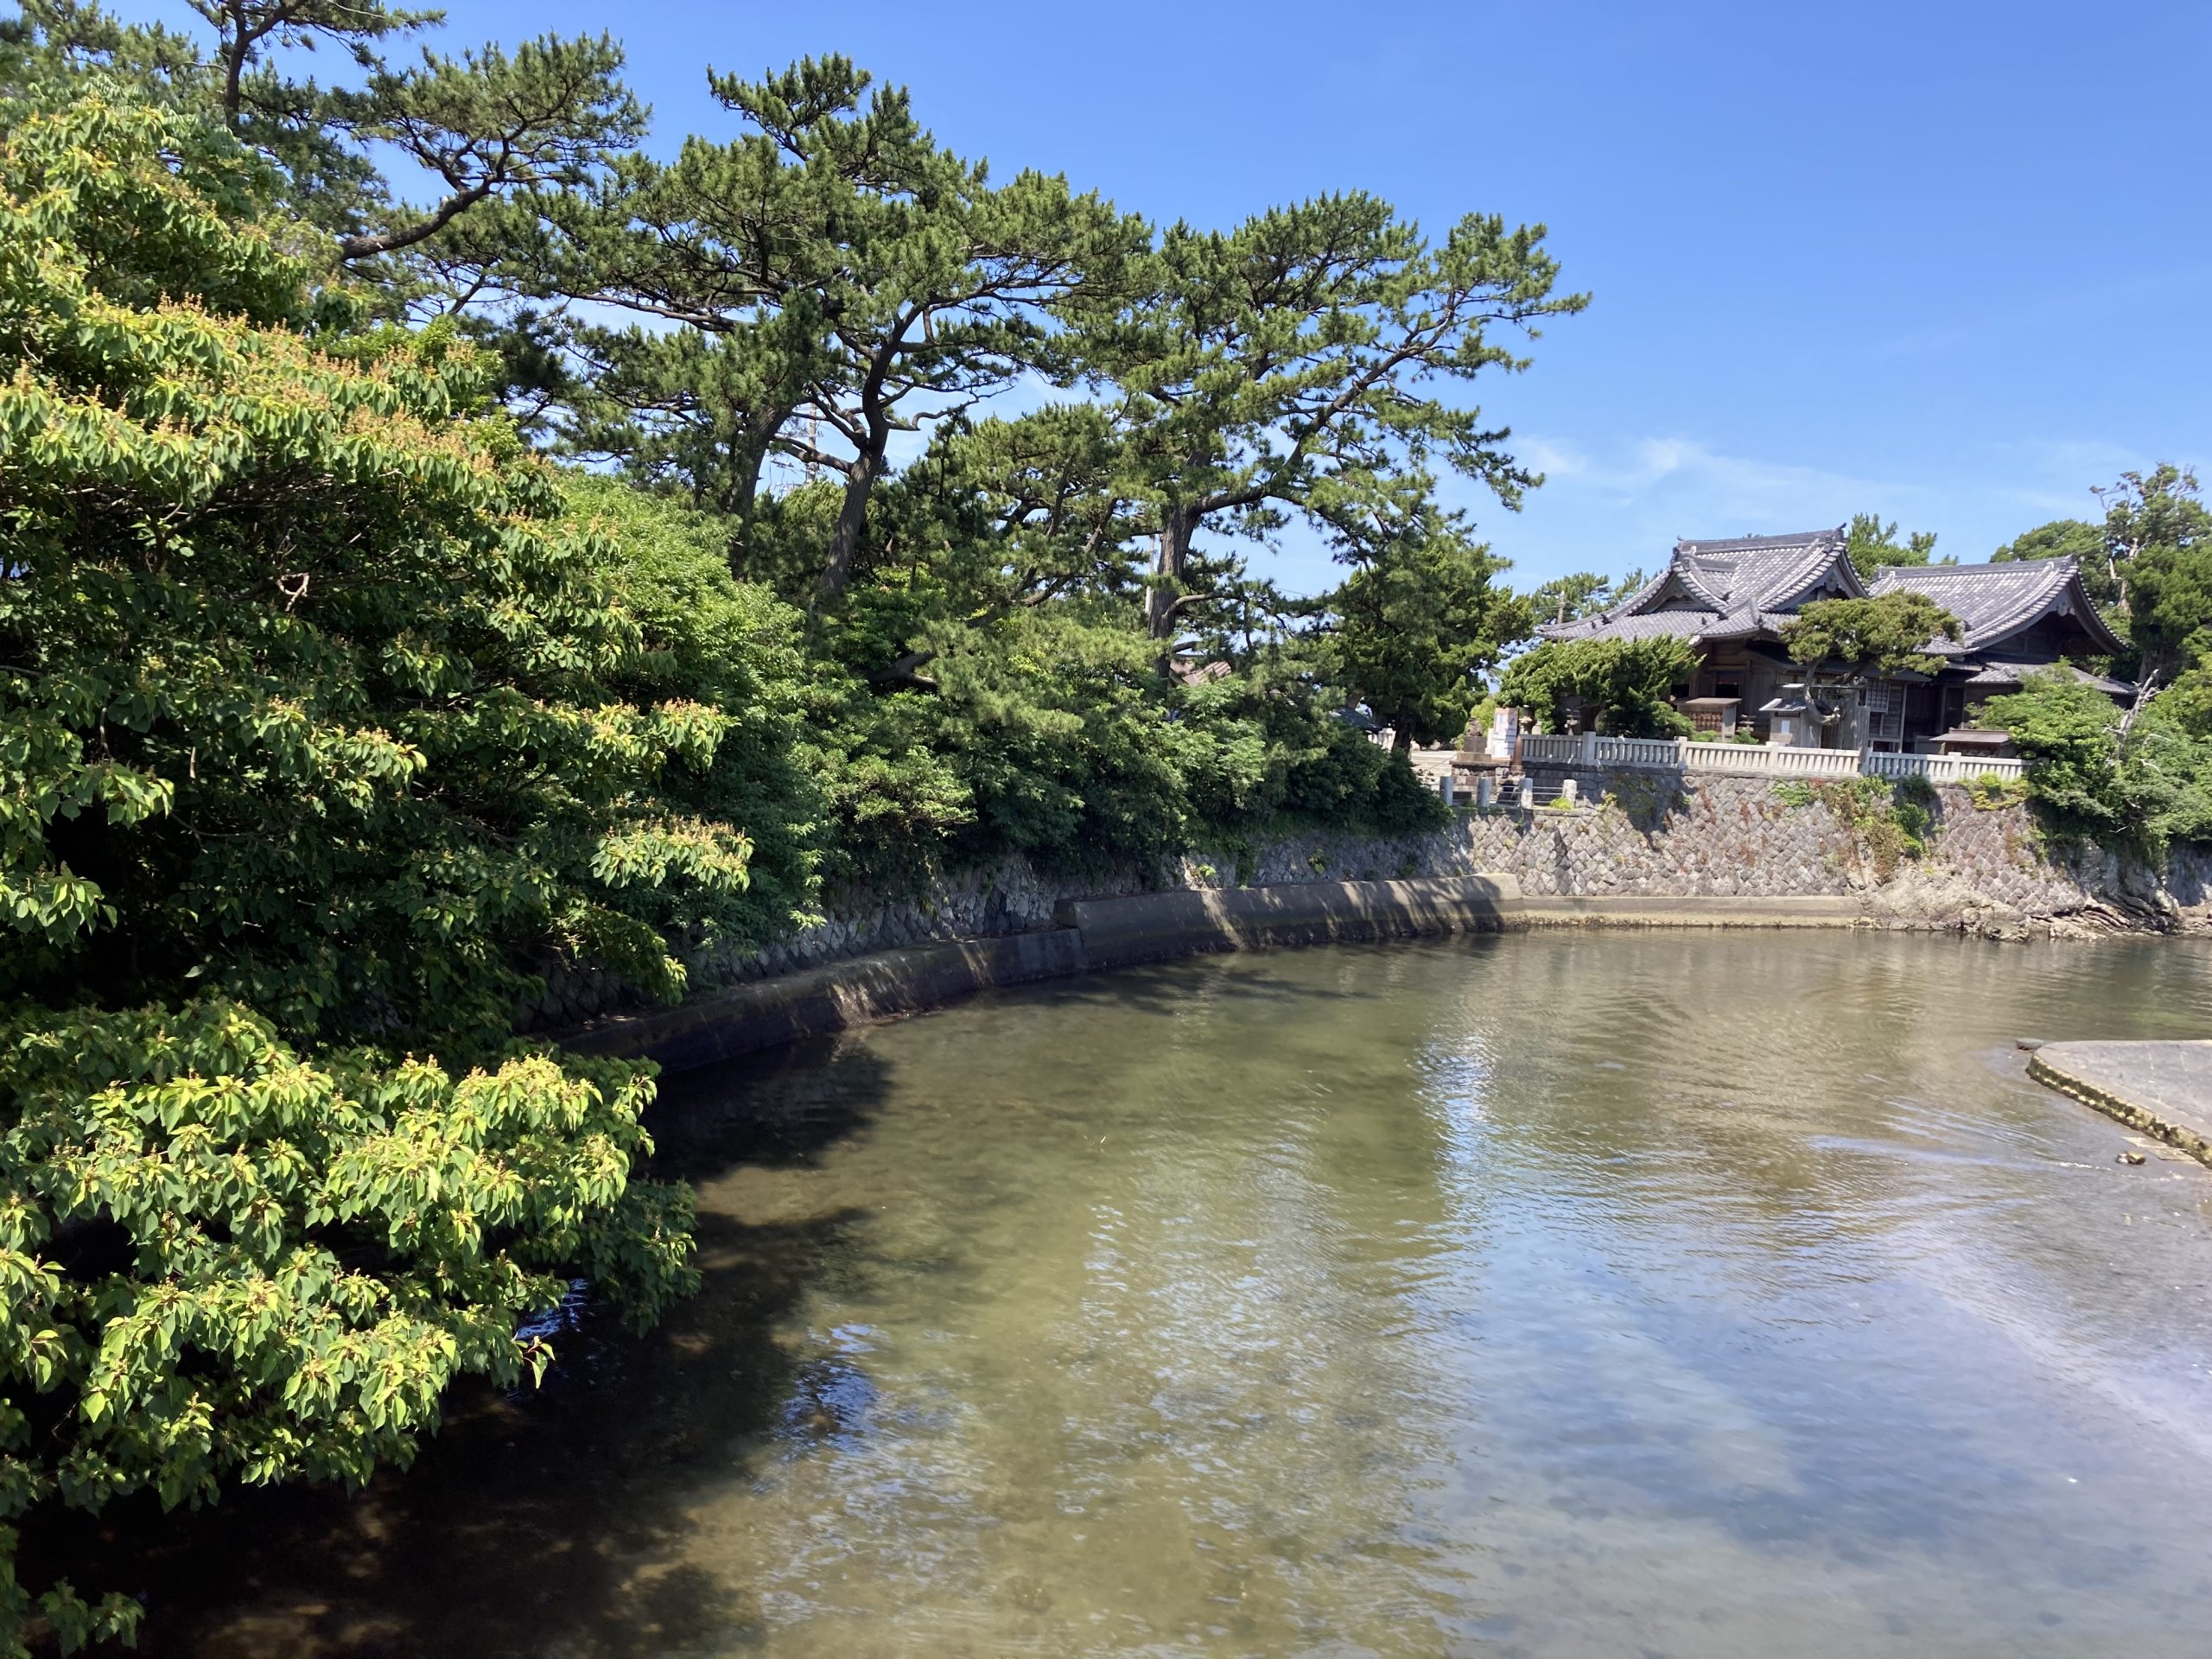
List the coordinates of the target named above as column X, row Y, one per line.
column 1734, row 1293
column 548, row 1522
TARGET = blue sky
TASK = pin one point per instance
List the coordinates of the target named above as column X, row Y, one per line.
column 1945, row 261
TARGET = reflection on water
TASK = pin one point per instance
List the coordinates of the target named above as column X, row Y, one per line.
column 1563, row 1296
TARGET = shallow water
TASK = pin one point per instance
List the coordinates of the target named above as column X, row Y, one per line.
column 1570, row 1295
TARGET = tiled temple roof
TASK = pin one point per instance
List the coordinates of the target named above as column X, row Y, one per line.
column 1992, row 601
column 1747, row 586
column 1725, row 589
column 1762, row 573
column 2013, row 675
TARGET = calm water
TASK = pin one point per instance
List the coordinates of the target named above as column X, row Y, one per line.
column 1614, row 1294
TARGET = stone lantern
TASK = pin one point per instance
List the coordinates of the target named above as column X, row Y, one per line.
column 1790, row 720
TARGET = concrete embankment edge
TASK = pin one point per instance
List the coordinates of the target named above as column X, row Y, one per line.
column 1657, row 909
column 1092, row 933
column 2163, row 1088
column 1097, row 934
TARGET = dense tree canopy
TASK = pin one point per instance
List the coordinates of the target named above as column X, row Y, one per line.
column 2142, row 773
column 1417, row 627
column 316, row 757
column 1624, row 688
column 570, row 570
column 1873, row 543
column 1887, row 634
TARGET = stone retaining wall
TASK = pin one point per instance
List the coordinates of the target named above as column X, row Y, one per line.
column 1091, row 933
column 1638, row 834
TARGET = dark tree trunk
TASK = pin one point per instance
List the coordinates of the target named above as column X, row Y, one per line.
column 233, row 74
column 852, row 519
column 1171, row 555
column 741, row 496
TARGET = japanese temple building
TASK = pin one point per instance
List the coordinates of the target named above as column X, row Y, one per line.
column 1730, row 599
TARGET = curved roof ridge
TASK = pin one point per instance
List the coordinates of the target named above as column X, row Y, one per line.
column 1757, row 543
column 1994, row 599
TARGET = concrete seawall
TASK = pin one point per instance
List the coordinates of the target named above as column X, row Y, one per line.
column 1092, row 933
column 1646, row 849
column 1663, row 909
column 2163, row 1088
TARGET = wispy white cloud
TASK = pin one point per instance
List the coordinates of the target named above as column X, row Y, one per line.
column 1693, row 474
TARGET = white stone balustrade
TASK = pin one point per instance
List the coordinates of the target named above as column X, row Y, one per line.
column 1681, row 755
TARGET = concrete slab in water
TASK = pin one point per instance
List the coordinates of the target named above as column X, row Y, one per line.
column 2163, row 1088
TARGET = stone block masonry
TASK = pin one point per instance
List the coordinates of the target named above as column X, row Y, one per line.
column 1639, row 834
column 1091, row 933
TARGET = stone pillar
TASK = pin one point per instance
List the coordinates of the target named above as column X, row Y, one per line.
column 1566, row 791
column 1448, row 787
column 1589, row 757
column 1486, row 793
column 1527, row 796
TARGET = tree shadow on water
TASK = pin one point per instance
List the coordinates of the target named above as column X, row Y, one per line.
column 558, row 1522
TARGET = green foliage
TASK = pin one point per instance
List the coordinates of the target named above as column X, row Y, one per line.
column 2068, row 734
column 1891, row 821
column 1872, row 543
column 1564, row 599
column 735, row 647
column 1886, row 635
column 367, row 798
column 1991, row 792
column 1623, row 686
column 2159, row 533
column 2148, row 566
column 314, row 750
column 1415, row 628
column 225, row 1263
column 2061, row 538
column 840, row 275
column 1283, row 368
column 490, row 126
column 2169, row 757
column 2092, row 775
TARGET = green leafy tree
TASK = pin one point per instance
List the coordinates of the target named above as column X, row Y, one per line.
column 737, row 648
column 2146, row 566
column 2068, row 734
column 313, row 757
column 1584, row 593
column 842, row 279
column 2061, row 538
column 1871, row 639
column 2158, row 560
column 490, row 126
column 1872, row 544
column 1283, row 368
column 1622, row 687
column 2168, row 748
column 1419, row 623
column 225, row 1263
